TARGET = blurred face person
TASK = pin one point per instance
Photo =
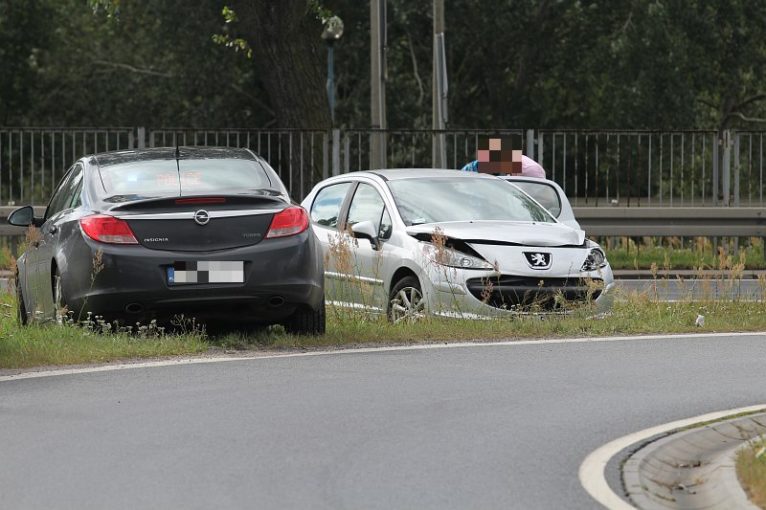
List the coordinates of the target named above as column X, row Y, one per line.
column 495, row 156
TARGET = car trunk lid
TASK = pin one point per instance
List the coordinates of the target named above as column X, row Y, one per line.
column 202, row 223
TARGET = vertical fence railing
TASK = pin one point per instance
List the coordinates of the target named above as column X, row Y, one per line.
column 748, row 168
column 634, row 168
column 617, row 167
column 412, row 148
column 33, row 160
column 298, row 156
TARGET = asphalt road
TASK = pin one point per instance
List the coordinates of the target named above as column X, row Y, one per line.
column 690, row 289
column 503, row 426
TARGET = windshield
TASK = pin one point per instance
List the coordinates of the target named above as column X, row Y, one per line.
column 460, row 199
column 162, row 177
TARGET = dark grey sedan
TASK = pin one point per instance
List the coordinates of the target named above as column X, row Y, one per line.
column 209, row 233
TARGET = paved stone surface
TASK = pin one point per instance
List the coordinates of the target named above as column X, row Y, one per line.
column 693, row 469
column 467, row 427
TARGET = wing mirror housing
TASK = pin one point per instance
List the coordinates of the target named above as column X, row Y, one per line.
column 366, row 230
column 24, row 217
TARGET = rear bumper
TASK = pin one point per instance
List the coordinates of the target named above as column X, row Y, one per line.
column 280, row 275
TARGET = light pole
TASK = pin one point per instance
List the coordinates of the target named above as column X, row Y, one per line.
column 333, row 30
column 378, row 75
column 439, row 79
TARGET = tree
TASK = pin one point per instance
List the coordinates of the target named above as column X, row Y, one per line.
column 25, row 33
column 284, row 38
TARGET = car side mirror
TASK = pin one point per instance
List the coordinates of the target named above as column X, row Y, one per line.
column 23, row 217
column 366, row 230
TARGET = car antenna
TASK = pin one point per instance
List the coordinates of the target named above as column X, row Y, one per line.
column 178, row 168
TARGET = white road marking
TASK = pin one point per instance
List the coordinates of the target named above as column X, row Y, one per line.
column 362, row 350
column 593, row 467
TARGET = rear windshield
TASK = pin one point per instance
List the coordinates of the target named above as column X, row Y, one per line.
column 162, row 177
column 461, row 199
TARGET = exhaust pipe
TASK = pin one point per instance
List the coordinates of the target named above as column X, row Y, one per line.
column 134, row 308
column 276, row 301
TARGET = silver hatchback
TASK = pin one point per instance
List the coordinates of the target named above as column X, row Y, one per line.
column 408, row 242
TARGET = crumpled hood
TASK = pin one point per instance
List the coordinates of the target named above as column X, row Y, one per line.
column 516, row 232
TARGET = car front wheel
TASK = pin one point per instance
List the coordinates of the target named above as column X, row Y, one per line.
column 406, row 303
column 21, row 308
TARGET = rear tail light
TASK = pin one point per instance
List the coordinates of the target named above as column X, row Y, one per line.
column 107, row 229
column 288, row 222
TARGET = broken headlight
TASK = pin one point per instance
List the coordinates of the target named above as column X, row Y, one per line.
column 452, row 258
column 596, row 260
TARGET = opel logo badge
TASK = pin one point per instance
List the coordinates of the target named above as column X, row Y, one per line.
column 201, row 217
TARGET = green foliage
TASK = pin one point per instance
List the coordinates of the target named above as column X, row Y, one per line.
column 751, row 471
column 700, row 254
column 657, row 64
column 149, row 63
column 25, row 32
column 236, row 43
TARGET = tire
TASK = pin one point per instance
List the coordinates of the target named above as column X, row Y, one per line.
column 307, row 321
column 21, row 307
column 59, row 301
column 405, row 302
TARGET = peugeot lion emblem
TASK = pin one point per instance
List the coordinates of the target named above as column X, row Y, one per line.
column 538, row 260
column 201, row 217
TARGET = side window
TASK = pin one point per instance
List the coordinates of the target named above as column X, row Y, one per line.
column 367, row 205
column 386, row 227
column 543, row 193
column 325, row 210
column 77, row 197
column 72, row 189
column 62, row 198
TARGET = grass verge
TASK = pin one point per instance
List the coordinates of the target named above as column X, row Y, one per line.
column 22, row 347
column 751, row 470
column 41, row 345
column 675, row 254
column 6, row 258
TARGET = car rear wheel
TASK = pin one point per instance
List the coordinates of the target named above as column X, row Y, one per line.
column 306, row 321
column 60, row 308
column 406, row 302
column 21, row 308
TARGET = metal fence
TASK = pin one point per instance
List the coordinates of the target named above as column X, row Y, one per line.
column 634, row 168
column 300, row 157
column 33, row 160
column 596, row 168
column 412, row 148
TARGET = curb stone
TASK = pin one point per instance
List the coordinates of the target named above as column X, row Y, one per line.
column 692, row 469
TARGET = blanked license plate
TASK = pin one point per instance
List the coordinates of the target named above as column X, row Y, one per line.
column 206, row 271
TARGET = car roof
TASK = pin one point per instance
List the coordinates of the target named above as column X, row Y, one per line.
column 163, row 153
column 394, row 174
column 522, row 178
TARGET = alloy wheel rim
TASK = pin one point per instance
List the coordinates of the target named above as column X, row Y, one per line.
column 407, row 305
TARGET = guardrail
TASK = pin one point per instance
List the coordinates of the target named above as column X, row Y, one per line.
column 673, row 221
column 621, row 221
column 632, row 167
